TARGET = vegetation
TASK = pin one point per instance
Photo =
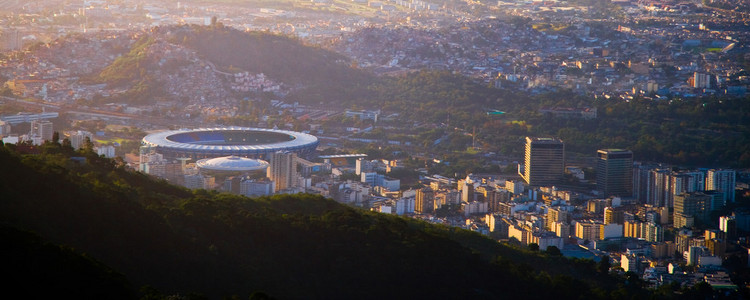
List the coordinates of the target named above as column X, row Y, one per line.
column 132, row 70
column 277, row 56
column 170, row 240
column 44, row 270
column 128, row 68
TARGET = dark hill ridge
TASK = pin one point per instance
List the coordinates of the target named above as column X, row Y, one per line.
column 289, row 246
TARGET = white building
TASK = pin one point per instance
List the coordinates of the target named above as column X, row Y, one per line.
column 375, row 179
column 283, row 170
column 610, row 231
column 77, row 138
column 722, row 181
column 252, row 188
column 629, row 263
column 514, row 186
column 405, row 206
column 473, row 208
column 108, row 151
column 199, row 181
column 4, row 128
column 43, row 129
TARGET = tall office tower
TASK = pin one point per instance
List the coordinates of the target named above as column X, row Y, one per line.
column 544, row 162
column 722, row 181
column 640, row 181
column 425, row 201
column 657, row 190
column 467, row 190
column 614, row 172
column 689, row 207
column 42, row 128
column 283, row 170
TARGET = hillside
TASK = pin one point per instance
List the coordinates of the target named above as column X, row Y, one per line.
column 43, row 270
column 288, row 246
column 317, row 76
column 281, row 57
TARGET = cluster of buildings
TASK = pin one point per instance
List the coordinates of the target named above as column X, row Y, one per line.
column 620, row 61
column 646, row 219
column 695, row 54
column 672, row 239
column 284, row 172
column 41, row 129
column 635, row 207
column 246, row 82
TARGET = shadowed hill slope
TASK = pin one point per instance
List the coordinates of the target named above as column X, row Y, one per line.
column 289, row 246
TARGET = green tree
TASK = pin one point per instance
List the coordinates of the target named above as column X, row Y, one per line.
column 553, row 251
column 603, row 265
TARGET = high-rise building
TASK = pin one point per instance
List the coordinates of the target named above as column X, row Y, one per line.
column 613, row 215
column 657, row 190
column 283, row 170
column 654, row 233
column 689, row 207
column 614, row 172
column 722, row 181
column 77, row 138
column 515, row 187
column 42, row 128
column 424, row 202
column 556, row 215
column 253, row 187
column 467, row 192
column 716, row 201
column 728, row 224
column 544, row 161
column 493, row 197
column 684, row 182
column 641, row 178
column 199, row 181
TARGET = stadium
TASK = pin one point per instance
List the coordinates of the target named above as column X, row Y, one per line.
column 229, row 141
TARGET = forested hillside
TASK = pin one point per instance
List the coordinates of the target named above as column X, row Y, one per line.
column 288, row 246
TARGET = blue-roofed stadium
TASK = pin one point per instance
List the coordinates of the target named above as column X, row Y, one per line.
column 226, row 141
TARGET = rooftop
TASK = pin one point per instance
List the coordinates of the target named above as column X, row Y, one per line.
column 232, row 164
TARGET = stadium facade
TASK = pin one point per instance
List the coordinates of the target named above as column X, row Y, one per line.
column 247, row 142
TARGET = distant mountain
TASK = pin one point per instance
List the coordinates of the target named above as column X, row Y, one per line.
column 288, row 246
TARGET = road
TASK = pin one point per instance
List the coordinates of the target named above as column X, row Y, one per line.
column 65, row 109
